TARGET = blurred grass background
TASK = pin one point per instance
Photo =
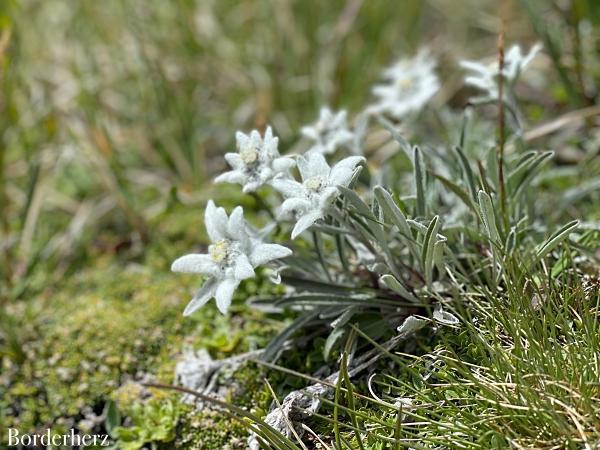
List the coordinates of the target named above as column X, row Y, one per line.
column 111, row 111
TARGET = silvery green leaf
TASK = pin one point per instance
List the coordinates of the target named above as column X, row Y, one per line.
column 392, row 210
column 320, row 299
column 313, row 285
column 354, row 178
column 357, row 202
column 438, row 255
column 417, row 226
column 559, row 236
column 444, row 317
column 488, row 216
column 492, row 167
column 460, row 192
column 428, row 249
column 390, row 282
column 511, row 241
column 468, row 172
column 343, row 318
column 404, row 145
column 396, row 216
column 274, row 348
column 331, row 340
column 411, row 325
column 530, row 170
column 419, row 175
column 377, row 267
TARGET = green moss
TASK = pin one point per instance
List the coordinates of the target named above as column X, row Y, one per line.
column 209, row 430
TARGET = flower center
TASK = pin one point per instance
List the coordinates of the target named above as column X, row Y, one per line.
column 249, row 154
column 314, row 183
column 219, row 251
column 405, row 83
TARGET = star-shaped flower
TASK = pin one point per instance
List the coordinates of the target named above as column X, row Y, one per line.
column 330, row 132
column 485, row 76
column 257, row 162
column 308, row 201
column 232, row 257
column 410, row 85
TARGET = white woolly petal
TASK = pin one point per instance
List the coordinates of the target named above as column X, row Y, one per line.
column 289, row 188
column 350, row 162
column 234, row 160
column 236, row 225
column 195, row 263
column 268, row 134
column 242, row 140
column 313, row 164
column 251, row 186
column 339, row 120
column 264, row 253
column 215, row 221
column 484, row 84
column 265, row 174
column 411, row 325
column 340, row 176
column 444, row 317
column 295, row 204
column 532, row 53
column 310, row 132
column 255, row 139
column 270, row 143
column 305, row 222
column 328, row 195
column 283, row 164
column 233, row 176
column 224, row 293
column 243, row 269
column 204, row 294
column 325, row 114
column 477, row 67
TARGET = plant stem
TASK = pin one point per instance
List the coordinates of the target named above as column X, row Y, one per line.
column 319, row 248
column 501, row 123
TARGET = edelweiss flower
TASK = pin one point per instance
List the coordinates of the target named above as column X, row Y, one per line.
column 411, row 84
column 485, row 77
column 257, row 162
column 308, row 201
column 329, row 132
column 232, row 257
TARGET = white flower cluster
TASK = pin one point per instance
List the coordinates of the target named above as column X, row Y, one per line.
column 485, row 76
column 308, row 201
column 234, row 253
column 411, row 83
column 330, row 132
column 236, row 250
column 257, row 162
